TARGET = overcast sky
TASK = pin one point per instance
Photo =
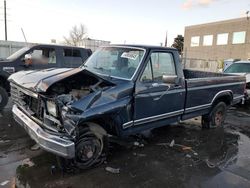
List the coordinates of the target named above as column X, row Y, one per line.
column 119, row 21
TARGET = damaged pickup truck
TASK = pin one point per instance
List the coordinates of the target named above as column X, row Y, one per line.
column 120, row 91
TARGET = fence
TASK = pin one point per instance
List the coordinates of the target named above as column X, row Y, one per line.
column 9, row 47
column 202, row 64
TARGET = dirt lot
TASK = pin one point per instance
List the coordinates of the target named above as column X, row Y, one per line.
column 207, row 158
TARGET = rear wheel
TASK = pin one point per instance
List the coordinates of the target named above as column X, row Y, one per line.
column 216, row 117
column 3, row 98
column 91, row 146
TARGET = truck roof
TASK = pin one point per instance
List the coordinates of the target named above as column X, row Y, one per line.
column 56, row 45
column 144, row 46
column 246, row 61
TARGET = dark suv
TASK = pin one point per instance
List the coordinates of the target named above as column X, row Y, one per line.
column 43, row 56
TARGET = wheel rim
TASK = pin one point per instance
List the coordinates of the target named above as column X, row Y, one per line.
column 88, row 150
column 219, row 118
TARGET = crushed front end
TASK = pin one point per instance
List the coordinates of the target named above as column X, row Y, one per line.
column 29, row 110
column 48, row 117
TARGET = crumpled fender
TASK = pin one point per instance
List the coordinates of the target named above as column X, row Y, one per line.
column 86, row 102
column 112, row 107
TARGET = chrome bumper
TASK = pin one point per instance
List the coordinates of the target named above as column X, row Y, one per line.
column 48, row 142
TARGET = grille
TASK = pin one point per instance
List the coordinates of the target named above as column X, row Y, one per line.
column 30, row 103
column 17, row 96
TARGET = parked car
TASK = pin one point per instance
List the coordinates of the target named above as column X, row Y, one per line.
column 228, row 62
column 241, row 68
column 38, row 57
column 118, row 92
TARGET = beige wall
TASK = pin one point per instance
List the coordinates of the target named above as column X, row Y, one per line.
column 218, row 52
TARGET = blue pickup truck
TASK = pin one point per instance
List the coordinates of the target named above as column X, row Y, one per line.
column 121, row 90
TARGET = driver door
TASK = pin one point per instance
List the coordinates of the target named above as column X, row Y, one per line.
column 156, row 101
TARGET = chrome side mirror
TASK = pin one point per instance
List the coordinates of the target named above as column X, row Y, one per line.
column 170, row 79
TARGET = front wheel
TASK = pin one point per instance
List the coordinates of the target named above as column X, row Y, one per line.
column 91, row 146
column 216, row 117
column 3, row 98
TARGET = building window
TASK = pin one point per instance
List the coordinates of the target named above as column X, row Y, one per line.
column 239, row 37
column 207, row 40
column 222, row 39
column 195, row 41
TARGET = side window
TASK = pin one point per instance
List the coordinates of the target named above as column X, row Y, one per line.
column 147, row 74
column 162, row 64
column 43, row 56
column 52, row 56
column 159, row 64
column 72, row 57
column 71, row 53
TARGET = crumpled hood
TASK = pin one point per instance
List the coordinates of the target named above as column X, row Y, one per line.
column 40, row 80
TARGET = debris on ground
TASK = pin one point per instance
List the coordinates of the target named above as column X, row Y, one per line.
column 178, row 146
column 35, row 147
column 132, row 175
column 28, row 162
column 172, row 143
column 112, row 170
column 187, row 148
column 138, row 144
column 4, row 183
column 4, row 141
column 188, row 156
column 210, row 164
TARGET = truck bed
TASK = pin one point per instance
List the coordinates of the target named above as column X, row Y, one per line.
column 203, row 87
column 190, row 74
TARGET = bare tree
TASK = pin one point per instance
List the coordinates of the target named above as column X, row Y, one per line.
column 76, row 35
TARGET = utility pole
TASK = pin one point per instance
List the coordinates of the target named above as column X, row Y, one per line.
column 166, row 39
column 5, row 20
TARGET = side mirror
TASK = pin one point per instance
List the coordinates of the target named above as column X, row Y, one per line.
column 173, row 79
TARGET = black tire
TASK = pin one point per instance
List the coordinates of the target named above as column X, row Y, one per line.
column 91, row 147
column 216, row 117
column 3, row 98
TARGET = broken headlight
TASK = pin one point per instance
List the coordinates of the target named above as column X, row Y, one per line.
column 51, row 108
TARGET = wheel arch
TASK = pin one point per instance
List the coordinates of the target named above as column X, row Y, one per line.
column 225, row 96
column 102, row 124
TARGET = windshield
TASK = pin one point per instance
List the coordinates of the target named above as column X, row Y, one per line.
column 238, row 68
column 18, row 53
column 118, row 62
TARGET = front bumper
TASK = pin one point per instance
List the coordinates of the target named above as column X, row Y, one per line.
column 51, row 143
